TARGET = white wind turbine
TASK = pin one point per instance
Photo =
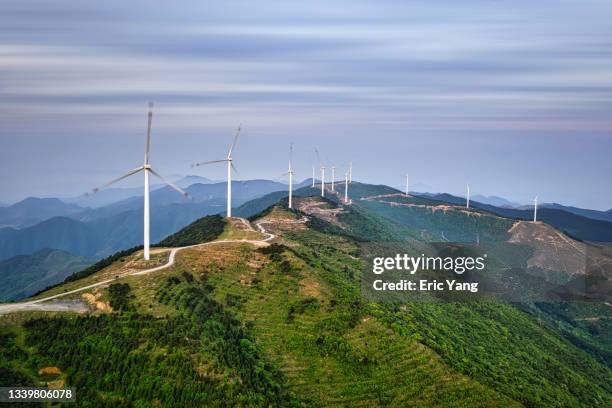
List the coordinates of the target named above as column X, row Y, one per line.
column 322, row 180
column 467, row 201
column 333, row 176
column 322, row 174
column 290, row 172
column 230, row 166
column 407, row 184
column 535, row 209
column 146, row 168
column 313, row 176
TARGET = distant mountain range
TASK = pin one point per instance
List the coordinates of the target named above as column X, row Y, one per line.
column 494, row 200
column 92, row 233
column 102, row 231
column 594, row 214
column 112, row 195
column 33, row 210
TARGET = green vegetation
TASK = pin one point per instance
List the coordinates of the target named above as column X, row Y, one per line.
column 427, row 224
column 119, row 296
column 203, row 230
column 491, row 341
column 199, row 357
column 287, row 325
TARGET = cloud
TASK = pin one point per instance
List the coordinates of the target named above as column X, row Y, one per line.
column 389, row 68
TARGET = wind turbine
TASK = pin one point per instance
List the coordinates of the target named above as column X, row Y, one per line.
column 407, row 184
column 313, row 176
column 467, row 201
column 333, row 177
column 146, row 168
column 535, row 209
column 230, row 166
column 322, row 173
column 322, row 180
column 290, row 173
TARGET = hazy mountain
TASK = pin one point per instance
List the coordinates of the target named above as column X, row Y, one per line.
column 102, row 236
column 107, row 196
column 594, row 214
column 58, row 233
column 189, row 180
column 24, row 275
column 33, row 210
column 212, row 195
column 494, row 200
column 113, row 195
column 103, row 231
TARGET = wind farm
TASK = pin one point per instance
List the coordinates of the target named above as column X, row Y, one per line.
column 467, row 262
column 281, row 273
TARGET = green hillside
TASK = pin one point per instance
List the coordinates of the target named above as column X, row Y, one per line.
column 202, row 230
column 24, row 275
column 238, row 324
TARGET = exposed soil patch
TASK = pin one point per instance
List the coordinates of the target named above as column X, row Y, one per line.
column 321, row 209
column 553, row 250
column 94, row 300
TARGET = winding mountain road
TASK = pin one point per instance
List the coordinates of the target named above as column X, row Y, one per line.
column 39, row 304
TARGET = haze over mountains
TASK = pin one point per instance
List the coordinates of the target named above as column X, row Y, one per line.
column 89, row 233
column 101, row 231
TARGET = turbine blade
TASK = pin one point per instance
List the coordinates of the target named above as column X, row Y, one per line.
column 229, row 154
column 279, row 178
column 148, row 142
column 177, row 188
column 208, row 162
column 234, row 168
column 113, row 181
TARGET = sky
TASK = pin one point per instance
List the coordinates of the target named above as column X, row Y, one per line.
column 514, row 98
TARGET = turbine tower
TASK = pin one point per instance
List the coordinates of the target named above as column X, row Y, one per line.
column 467, row 201
column 146, row 168
column 407, row 184
column 322, row 167
column 230, row 166
column 322, row 180
column 290, row 173
column 333, row 177
column 313, row 176
column 346, row 183
column 535, row 209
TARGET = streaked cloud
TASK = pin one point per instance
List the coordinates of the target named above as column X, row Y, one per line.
column 443, row 71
